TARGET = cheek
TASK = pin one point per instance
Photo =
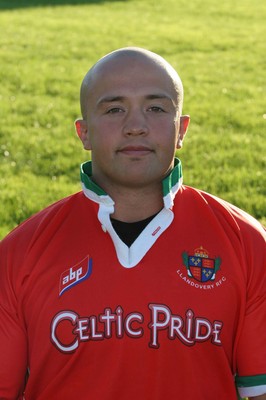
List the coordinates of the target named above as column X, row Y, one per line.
column 166, row 134
column 100, row 136
column 100, row 144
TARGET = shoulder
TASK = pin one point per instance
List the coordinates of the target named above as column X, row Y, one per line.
column 47, row 219
column 228, row 215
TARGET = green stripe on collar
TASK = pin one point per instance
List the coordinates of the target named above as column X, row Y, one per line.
column 85, row 176
column 168, row 183
column 173, row 178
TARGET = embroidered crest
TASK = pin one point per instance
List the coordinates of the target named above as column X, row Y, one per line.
column 200, row 266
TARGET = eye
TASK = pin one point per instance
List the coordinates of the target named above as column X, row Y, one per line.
column 156, row 109
column 114, row 110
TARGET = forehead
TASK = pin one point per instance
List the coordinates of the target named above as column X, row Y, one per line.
column 130, row 75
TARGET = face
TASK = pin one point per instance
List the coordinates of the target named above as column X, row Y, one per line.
column 132, row 124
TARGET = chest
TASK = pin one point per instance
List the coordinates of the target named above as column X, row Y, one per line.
column 188, row 288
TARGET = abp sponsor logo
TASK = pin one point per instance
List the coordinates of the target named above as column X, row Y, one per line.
column 74, row 275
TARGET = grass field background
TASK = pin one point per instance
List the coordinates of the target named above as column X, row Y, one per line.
column 46, row 47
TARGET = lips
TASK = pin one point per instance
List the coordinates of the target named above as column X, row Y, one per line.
column 135, row 150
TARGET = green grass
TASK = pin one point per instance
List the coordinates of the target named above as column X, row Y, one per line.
column 47, row 46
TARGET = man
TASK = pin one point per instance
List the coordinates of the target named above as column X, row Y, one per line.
column 138, row 287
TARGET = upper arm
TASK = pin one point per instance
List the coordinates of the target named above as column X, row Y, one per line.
column 13, row 350
column 251, row 344
column 13, row 342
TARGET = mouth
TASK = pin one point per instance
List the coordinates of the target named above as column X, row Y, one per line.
column 138, row 151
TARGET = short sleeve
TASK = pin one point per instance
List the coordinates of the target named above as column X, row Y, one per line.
column 13, row 342
column 251, row 346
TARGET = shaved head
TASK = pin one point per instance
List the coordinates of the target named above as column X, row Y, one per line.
column 128, row 58
column 131, row 103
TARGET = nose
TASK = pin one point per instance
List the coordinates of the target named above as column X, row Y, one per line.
column 135, row 123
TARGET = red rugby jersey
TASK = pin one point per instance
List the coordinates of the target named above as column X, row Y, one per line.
column 179, row 314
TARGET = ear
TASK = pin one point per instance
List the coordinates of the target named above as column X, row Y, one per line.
column 83, row 133
column 182, row 126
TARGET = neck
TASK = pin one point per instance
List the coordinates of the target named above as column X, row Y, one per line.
column 133, row 203
column 136, row 205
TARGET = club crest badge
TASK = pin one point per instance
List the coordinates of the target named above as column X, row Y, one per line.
column 200, row 266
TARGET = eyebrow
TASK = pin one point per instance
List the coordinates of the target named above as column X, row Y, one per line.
column 110, row 99
column 158, row 96
column 113, row 99
column 161, row 96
